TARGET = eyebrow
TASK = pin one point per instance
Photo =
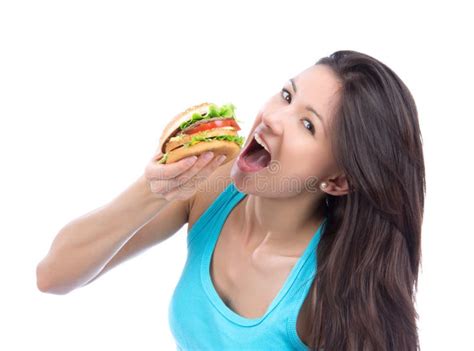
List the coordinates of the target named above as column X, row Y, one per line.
column 309, row 108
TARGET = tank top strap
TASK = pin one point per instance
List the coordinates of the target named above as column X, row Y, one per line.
column 217, row 210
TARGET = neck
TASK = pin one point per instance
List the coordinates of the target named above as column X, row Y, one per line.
column 280, row 225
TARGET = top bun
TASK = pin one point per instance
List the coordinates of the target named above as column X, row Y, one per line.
column 176, row 121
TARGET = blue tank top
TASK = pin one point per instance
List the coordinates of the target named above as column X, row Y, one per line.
column 200, row 320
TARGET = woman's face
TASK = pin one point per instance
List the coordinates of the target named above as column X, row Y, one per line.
column 294, row 124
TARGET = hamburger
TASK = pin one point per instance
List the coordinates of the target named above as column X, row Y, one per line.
column 200, row 128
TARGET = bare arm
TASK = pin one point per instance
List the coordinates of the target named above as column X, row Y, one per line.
column 85, row 245
column 165, row 223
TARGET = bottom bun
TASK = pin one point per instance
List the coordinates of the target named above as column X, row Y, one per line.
column 219, row 147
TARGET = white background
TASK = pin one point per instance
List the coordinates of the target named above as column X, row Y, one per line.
column 86, row 87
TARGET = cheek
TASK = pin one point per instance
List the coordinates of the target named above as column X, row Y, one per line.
column 299, row 174
column 297, row 145
column 302, row 161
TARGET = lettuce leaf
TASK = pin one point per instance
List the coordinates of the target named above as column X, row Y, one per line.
column 164, row 158
column 200, row 138
column 214, row 111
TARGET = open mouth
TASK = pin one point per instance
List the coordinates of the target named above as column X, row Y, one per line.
column 254, row 157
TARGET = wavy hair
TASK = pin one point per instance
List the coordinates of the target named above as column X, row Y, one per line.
column 363, row 295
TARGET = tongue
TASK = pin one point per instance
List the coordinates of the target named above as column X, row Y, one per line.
column 258, row 159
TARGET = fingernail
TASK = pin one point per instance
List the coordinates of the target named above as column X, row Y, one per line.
column 192, row 159
column 221, row 158
column 208, row 155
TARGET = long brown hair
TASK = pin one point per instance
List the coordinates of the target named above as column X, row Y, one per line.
column 363, row 295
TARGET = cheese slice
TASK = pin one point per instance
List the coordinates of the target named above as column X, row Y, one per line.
column 182, row 139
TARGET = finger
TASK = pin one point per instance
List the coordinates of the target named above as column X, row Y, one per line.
column 166, row 185
column 203, row 174
column 157, row 156
column 208, row 170
column 156, row 170
column 203, row 161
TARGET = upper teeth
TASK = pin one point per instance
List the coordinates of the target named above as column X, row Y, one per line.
column 260, row 141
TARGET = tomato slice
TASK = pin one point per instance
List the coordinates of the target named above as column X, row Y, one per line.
column 213, row 124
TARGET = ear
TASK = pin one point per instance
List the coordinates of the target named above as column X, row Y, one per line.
column 337, row 185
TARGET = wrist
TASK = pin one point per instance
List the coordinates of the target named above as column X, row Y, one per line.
column 142, row 185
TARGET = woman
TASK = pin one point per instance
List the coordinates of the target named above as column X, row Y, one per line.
column 320, row 248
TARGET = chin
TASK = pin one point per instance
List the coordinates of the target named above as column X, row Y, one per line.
column 265, row 183
column 256, row 184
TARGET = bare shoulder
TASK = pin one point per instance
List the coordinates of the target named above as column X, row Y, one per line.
column 208, row 192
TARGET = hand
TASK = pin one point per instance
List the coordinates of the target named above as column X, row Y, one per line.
column 180, row 180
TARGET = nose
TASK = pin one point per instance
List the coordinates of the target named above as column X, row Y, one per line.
column 273, row 122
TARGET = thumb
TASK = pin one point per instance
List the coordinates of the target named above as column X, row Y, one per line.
column 158, row 154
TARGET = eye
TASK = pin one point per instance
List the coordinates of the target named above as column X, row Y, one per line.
column 308, row 125
column 286, row 95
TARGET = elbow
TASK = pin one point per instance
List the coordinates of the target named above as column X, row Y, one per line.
column 44, row 285
column 41, row 286
column 40, row 279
